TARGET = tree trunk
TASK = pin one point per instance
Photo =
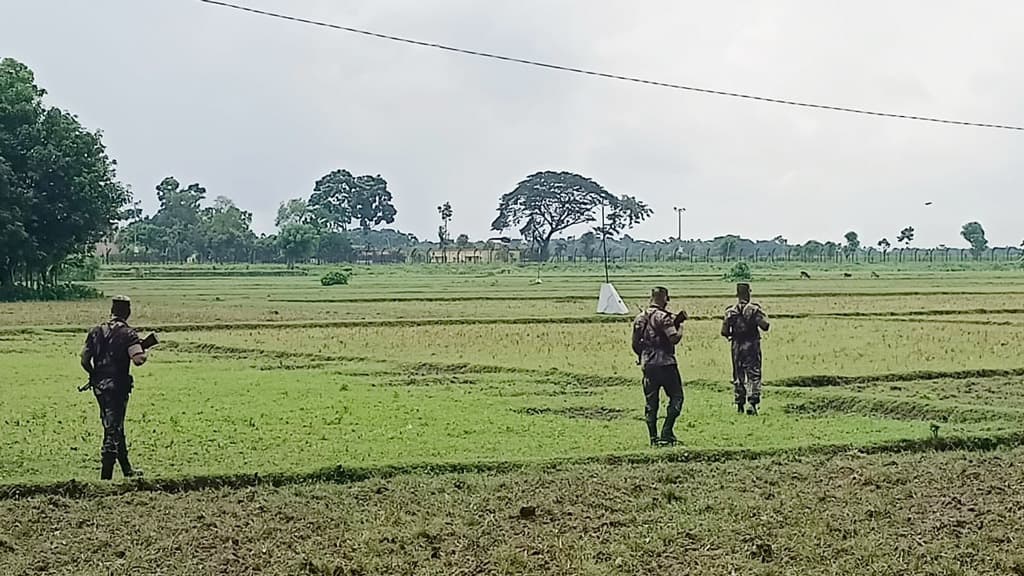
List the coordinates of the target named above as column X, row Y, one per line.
column 544, row 247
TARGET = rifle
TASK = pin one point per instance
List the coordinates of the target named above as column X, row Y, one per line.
column 146, row 343
column 149, row 341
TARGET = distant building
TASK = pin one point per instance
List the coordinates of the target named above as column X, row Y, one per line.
column 473, row 255
column 106, row 249
column 385, row 256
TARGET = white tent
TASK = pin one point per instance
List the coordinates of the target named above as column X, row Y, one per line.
column 610, row 302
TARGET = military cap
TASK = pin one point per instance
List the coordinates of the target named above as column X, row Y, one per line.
column 659, row 291
column 742, row 288
column 120, row 298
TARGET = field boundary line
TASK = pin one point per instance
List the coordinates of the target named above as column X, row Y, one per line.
column 895, row 408
column 829, row 380
column 910, row 315
column 427, row 368
column 960, row 322
column 348, row 475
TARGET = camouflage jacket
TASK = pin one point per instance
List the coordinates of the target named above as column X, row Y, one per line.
column 653, row 333
column 107, row 346
column 744, row 321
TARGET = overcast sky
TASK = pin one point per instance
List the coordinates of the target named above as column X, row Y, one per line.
column 258, row 109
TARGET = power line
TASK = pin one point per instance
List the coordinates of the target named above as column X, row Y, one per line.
column 605, row 74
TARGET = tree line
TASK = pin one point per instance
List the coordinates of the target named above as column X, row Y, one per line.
column 338, row 223
column 59, row 197
column 341, row 216
column 733, row 247
column 182, row 229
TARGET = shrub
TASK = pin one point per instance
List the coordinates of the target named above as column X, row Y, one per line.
column 740, row 272
column 80, row 268
column 335, row 278
column 68, row 291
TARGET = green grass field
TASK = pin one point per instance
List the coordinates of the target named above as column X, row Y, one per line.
column 385, row 392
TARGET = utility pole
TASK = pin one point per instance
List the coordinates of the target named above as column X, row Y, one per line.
column 137, row 209
column 604, row 245
column 679, row 215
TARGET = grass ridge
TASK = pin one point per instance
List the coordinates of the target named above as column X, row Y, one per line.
column 830, row 380
column 345, row 475
column 900, row 409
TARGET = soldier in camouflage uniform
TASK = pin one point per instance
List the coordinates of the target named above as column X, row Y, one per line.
column 110, row 350
column 742, row 325
column 656, row 332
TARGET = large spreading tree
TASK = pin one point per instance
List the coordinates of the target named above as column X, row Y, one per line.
column 59, row 194
column 547, row 203
column 339, row 198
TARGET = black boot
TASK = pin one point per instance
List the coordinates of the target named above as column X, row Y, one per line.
column 652, row 431
column 126, row 466
column 107, row 466
column 752, row 411
column 668, row 438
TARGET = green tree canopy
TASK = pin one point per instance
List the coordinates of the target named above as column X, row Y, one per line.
column 266, row 248
column 813, row 249
column 547, row 203
column 297, row 242
column 830, row 249
column 727, row 245
column 294, row 211
column 58, row 189
column 340, row 198
column 589, row 243
column 226, row 231
column 178, row 219
column 335, row 247
column 974, row 233
column 852, row 243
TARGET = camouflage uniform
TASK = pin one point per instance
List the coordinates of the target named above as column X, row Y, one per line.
column 654, row 334
column 742, row 324
column 107, row 357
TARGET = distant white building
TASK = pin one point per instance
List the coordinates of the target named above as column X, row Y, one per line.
column 472, row 255
column 106, row 249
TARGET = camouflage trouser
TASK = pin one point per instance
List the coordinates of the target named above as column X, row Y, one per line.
column 746, row 371
column 112, row 396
